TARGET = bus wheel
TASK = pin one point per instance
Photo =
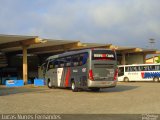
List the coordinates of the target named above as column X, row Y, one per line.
column 49, row 84
column 73, row 87
column 156, row 79
column 126, row 79
column 95, row 89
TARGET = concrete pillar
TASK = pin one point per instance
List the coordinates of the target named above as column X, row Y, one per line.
column 123, row 59
column 25, row 68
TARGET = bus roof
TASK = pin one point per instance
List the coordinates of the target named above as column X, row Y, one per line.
column 139, row 65
column 74, row 52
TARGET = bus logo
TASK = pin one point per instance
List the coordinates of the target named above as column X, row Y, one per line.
column 150, row 74
column 83, row 69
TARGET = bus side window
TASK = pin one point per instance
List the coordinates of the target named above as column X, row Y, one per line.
column 76, row 60
column 127, row 69
column 157, row 67
column 61, row 62
column 55, row 64
column 153, row 67
column 135, row 68
column 121, row 71
column 43, row 67
column 68, row 61
column 138, row 68
column 143, row 68
column 84, row 58
column 50, row 66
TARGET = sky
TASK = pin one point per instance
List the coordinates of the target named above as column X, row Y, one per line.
column 118, row 22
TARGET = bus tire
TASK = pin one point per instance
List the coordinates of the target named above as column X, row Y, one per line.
column 49, row 84
column 73, row 86
column 95, row 89
column 156, row 79
column 126, row 79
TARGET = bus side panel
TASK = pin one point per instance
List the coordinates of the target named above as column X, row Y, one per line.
column 83, row 76
column 52, row 76
column 59, row 76
column 121, row 78
column 65, row 77
column 79, row 75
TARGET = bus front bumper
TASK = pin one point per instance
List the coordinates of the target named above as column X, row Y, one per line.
column 102, row 84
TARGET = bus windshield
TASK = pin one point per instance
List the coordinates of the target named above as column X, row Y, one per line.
column 103, row 55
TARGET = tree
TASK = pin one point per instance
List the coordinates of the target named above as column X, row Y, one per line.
column 158, row 61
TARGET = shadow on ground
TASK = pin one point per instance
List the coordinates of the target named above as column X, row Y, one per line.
column 4, row 91
column 118, row 88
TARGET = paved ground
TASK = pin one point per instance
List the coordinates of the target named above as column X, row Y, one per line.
column 133, row 97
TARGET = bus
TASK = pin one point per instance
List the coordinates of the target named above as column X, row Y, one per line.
column 139, row 72
column 84, row 69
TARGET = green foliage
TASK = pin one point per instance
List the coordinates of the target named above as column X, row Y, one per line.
column 158, row 61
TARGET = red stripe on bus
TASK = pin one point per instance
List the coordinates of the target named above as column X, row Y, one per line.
column 142, row 74
column 67, row 77
column 104, row 55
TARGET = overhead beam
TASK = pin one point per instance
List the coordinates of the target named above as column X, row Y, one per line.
column 151, row 52
column 129, row 50
column 20, row 43
column 56, row 47
column 108, row 46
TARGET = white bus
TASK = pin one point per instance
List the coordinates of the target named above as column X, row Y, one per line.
column 139, row 72
column 90, row 68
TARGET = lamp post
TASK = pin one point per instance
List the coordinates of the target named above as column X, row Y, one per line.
column 152, row 43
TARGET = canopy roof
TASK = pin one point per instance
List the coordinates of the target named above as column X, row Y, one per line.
column 11, row 43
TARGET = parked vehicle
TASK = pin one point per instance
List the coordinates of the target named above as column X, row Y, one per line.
column 83, row 69
column 139, row 72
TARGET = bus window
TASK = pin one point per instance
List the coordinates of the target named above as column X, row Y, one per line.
column 141, row 68
column 121, row 71
column 157, row 67
column 153, row 68
column 76, row 60
column 44, row 68
column 83, row 58
column 61, row 62
column 134, row 68
column 50, row 65
column 55, row 62
column 127, row 69
column 68, row 61
column 138, row 68
column 149, row 68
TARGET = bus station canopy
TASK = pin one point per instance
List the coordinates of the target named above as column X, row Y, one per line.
column 36, row 45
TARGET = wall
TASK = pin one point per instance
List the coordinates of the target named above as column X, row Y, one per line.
column 134, row 59
column 17, row 62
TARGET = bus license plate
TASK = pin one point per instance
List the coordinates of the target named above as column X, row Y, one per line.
column 106, row 82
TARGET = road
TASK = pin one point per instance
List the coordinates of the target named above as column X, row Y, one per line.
column 130, row 98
